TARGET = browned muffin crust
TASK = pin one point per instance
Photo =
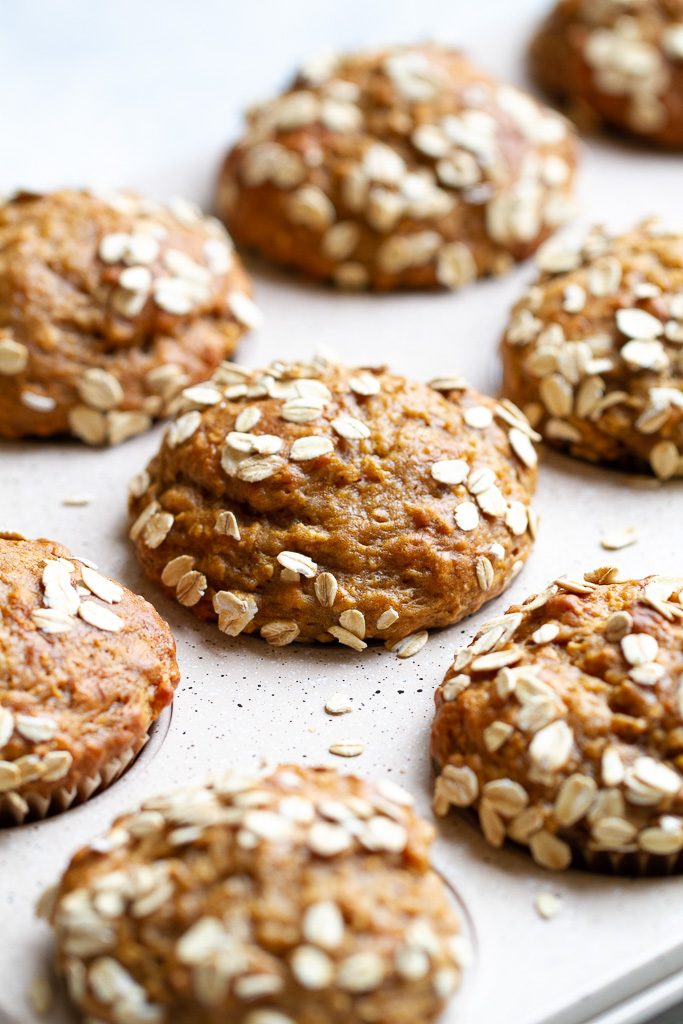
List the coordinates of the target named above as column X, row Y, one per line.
column 562, row 724
column 86, row 667
column 110, row 304
column 313, row 501
column 593, row 349
column 301, row 897
column 616, row 62
column 405, row 167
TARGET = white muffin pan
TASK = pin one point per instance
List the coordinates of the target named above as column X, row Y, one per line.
column 614, row 952
column 243, row 703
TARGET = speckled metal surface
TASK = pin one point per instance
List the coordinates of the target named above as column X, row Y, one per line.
column 147, row 95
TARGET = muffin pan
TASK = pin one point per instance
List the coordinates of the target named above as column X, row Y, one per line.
column 613, row 954
column 241, row 702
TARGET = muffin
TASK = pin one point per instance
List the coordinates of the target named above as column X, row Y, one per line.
column 86, row 668
column 562, row 725
column 592, row 352
column 110, row 305
column 616, row 62
column 404, row 167
column 317, row 502
column 300, row 897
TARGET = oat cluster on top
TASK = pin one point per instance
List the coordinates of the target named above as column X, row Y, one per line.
column 292, row 898
column 318, row 502
column 593, row 351
column 618, row 62
column 394, row 168
column 562, row 724
column 110, row 304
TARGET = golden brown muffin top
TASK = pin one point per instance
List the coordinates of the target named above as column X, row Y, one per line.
column 563, row 723
column 315, row 501
column 593, row 349
column 299, row 896
column 399, row 166
column 109, row 304
column 621, row 59
column 86, row 666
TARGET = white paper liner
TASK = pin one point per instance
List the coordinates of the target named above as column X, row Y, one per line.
column 17, row 809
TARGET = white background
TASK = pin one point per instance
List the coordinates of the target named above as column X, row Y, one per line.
column 148, row 94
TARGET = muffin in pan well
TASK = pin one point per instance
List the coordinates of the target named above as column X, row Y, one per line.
column 110, row 304
column 294, row 898
column 86, row 667
column 593, row 351
column 398, row 168
column 562, row 726
column 616, row 63
column 318, row 502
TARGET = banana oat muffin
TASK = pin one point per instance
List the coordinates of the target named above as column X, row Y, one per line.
column 618, row 62
column 593, row 352
column 85, row 668
column 562, row 724
column 316, row 502
column 405, row 167
column 110, row 304
column 302, row 897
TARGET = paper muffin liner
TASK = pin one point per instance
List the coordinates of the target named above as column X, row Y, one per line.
column 633, row 863
column 18, row 809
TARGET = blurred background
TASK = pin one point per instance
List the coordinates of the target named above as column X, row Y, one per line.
column 148, row 94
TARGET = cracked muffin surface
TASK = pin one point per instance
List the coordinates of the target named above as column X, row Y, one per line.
column 562, row 726
column 318, row 502
column 110, row 304
column 592, row 351
column 299, row 897
column 404, row 167
column 86, row 667
column 616, row 63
